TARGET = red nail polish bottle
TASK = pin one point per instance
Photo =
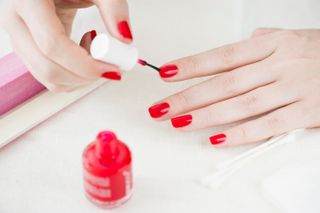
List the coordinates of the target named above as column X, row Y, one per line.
column 107, row 171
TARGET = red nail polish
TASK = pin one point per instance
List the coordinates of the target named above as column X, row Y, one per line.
column 93, row 34
column 181, row 121
column 124, row 30
column 217, row 139
column 168, row 71
column 113, row 75
column 107, row 171
column 159, row 110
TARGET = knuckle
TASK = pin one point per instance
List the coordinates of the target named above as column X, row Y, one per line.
column 213, row 117
column 242, row 133
column 206, row 121
column 288, row 36
column 183, row 99
column 227, row 54
column 249, row 102
column 228, row 83
column 192, row 65
column 272, row 122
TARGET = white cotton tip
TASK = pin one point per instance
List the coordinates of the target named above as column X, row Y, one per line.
column 227, row 169
column 112, row 51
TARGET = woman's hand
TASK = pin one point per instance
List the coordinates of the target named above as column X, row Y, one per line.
column 274, row 75
column 39, row 31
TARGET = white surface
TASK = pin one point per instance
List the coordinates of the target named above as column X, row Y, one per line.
column 112, row 51
column 41, row 171
column 295, row 188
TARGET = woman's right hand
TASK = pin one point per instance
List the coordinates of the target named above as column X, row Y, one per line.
column 39, row 32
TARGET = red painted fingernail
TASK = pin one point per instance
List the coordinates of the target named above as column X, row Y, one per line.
column 168, row 71
column 181, row 121
column 113, row 75
column 124, row 30
column 93, row 34
column 217, row 139
column 159, row 110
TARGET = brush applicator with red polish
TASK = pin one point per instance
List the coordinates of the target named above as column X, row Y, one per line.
column 145, row 63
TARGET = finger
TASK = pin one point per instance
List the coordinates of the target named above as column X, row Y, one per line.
column 86, row 40
column 49, row 35
column 264, row 31
column 256, row 102
column 219, row 60
column 52, row 75
column 310, row 33
column 283, row 120
column 219, row 88
column 115, row 14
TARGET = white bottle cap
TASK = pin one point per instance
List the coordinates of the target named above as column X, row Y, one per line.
column 110, row 50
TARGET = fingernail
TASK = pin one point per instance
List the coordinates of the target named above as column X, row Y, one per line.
column 181, row 121
column 168, row 71
column 113, row 75
column 218, row 139
column 159, row 110
column 124, row 29
column 93, row 34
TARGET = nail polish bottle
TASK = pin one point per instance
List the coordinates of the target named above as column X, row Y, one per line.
column 107, row 171
column 110, row 50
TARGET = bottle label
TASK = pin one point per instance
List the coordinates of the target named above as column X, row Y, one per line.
column 109, row 188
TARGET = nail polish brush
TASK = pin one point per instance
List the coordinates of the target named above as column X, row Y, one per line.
column 113, row 51
column 145, row 63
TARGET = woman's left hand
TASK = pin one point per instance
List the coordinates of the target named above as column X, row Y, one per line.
column 274, row 75
column 40, row 30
